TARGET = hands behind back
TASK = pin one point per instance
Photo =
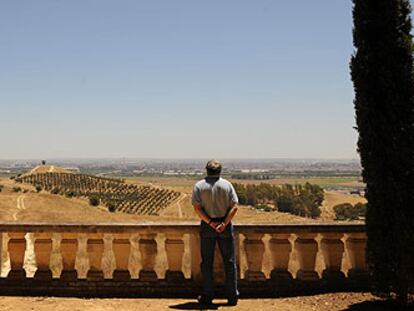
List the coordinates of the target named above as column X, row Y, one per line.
column 218, row 226
column 221, row 227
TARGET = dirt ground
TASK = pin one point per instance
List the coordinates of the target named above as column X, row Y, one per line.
column 324, row 302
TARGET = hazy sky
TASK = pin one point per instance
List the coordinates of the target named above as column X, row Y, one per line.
column 176, row 78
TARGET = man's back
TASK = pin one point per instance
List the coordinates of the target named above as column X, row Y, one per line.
column 216, row 195
column 215, row 202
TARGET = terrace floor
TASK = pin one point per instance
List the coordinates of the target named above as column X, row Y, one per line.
column 323, row 302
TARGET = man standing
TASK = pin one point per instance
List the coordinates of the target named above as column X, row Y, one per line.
column 215, row 202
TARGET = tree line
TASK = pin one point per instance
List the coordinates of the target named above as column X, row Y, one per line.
column 302, row 200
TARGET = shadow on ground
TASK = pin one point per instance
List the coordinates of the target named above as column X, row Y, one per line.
column 197, row 306
column 378, row 305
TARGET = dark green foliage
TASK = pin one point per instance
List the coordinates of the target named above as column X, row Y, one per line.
column 382, row 72
column 303, row 200
column 264, row 207
column 347, row 211
column 111, row 206
column 94, row 200
column 38, row 188
column 17, row 189
column 70, row 194
column 55, row 191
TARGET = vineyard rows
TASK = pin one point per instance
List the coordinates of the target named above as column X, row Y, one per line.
column 127, row 198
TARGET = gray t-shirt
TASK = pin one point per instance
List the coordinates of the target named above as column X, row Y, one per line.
column 215, row 195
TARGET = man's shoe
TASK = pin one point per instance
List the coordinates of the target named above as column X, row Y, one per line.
column 232, row 301
column 205, row 301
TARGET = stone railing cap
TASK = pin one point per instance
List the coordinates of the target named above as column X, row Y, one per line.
column 182, row 226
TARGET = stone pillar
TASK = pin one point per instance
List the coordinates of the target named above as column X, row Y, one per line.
column 306, row 248
column 95, row 249
column 17, row 247
column 148, row 250
column 122, row 249
column 174, row 248
column 332, row 249
column 1, row 252
column 195, row 257
column 43, row 250
column 68, row 250
column 356, row 246
column 254, row 248
column 280, row 249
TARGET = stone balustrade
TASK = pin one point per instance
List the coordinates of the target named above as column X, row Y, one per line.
column 124, row 259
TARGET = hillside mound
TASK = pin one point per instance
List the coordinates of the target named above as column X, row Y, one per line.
column 114, row 193
column 40, row 169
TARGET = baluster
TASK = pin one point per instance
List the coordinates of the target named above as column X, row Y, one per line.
column 68, row 250
column 280, row 249
column 174, row 248
column 135, row 257
column 108, row 258
column 332, row 249
column 1, row 253
column 254, row 248
column 95, row 249
column 306, row 248
column 16, row 247
column 43, row 250
column 122, row 249
column 356, row 246
column 148, row 250
column 195, row 257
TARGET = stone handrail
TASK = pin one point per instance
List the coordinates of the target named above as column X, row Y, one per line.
column 55, row 258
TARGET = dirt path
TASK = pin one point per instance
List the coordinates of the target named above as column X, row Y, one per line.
column 20, row 206
column 180, row 211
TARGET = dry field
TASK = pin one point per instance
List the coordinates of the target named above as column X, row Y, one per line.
column 55, row 208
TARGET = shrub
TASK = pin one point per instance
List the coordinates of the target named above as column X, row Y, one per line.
column 38, row 188
column 17, row 189
column 70, row 194
column 55, row 191
column 263, row 207
column 94, row 200
column 1, row 187
column 111, row 207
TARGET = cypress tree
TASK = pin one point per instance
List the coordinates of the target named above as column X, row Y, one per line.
column 382, row 73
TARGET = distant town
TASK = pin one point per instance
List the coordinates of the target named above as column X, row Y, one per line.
column 237, row 168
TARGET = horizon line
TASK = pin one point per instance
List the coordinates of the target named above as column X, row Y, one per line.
column 174, row 158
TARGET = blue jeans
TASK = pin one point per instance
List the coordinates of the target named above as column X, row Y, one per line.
column 225, row 240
